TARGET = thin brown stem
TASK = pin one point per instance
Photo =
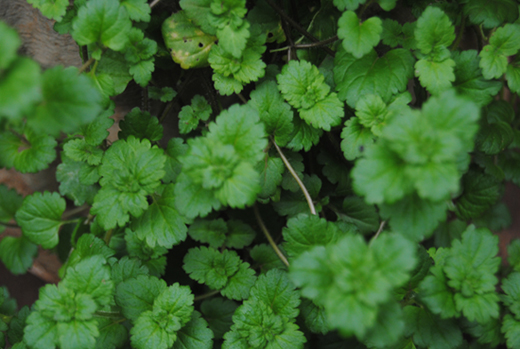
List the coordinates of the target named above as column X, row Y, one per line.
column 296, row 26
column 154, row 2
column 269, row 237
column 295, row 176
column 381, row 227
column 74, row 211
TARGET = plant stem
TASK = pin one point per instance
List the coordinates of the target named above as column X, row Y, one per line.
column 242, row 98
column 10, row 225
column 295, row 176
column 269, row 237
column 74, row 211
column 381, row 227
column 154, row 2
column 86, row 65
column 365, row 7
column 296, row 26
column 108, row 236
column 206, row 295
column 312, row 45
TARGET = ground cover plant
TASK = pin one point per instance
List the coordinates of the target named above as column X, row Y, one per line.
column 332, row 178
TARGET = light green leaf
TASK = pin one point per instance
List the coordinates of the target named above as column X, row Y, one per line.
column 356, row 138
column 137, row 295
column 503, row 43
column 17, row 253
column 436, row 76
column 51, row 9
column 359, row 37
column 40, row 218
column 491, row 15
column 434, row 31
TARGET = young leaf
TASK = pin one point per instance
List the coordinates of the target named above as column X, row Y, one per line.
column 355, row 138
column 303, row 232
column 86, row 246
column 127, row 268
column 190, row 115
column 161, row 223
column 102, row 22
column 240, row 284
column 434, row 31
column 503, row 43
column 138, row 10
column 141, row 125
column 137, row 295
column 273, row 111
column 40, row 218
column 359, row 37
column 79, row 150
column 69, row 174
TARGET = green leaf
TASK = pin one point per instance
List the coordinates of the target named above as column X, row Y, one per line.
column 325, row 114
column 301, row 84
column 303, row 232
column 68, row 174
column 240, row 284
column 192, row 200
column 314, row 316
column 207, row 265
column 51, row 9
column 435, row 76
column 446, row 232
column 212, row 232
column 127, row 268
column 138, row 10
column 503, row 43
column 198, row 11
column 137, row 295
column 10, row 202
column 69, row 101
column 17, row 253
column 233, row 40
column 245, row 134
column 271, row 175
column 173, row 307
column 491, row 15
column 367, row 278
column 511, row 287
column 434, row 31
column 20, row 84
column 174, row 150
column 141, row 125
column 266, row 258
column 275, row 289
column 392, row 34
column 511, row 330
column 161, row 223
column 414, row 217
column 149, row 333
column 389, row 326
column 195, row 334
column 481, row 191
column 10, row 43
column 218, row 312
column 429, row 331
column 86, row 246
column 190, row 115
column 304, row 136
column 39, row 332
column 79, row 150
column 355, row 138
column 471, row 268
column 469, row 80
column 111, row 334
column 40, row 218
column 273, row 111
column 350, row 5
column 92, row 276
column 356, row 211
column 359, row 37
column 384, row 76
column 30, row 154
column 513, row 76
column 17, row 325
column 513, row 252
column 98, row 21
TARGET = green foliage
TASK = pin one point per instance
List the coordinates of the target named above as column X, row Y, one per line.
column 291, row 184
